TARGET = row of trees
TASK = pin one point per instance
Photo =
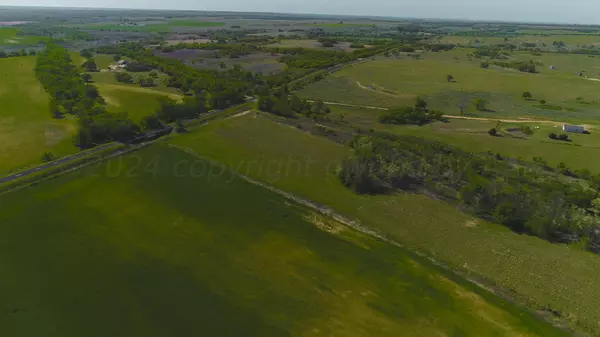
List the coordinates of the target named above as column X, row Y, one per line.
column 419, row 115
column 22, row 52
column 282, row 103
column 525, row 198
column 70, row 94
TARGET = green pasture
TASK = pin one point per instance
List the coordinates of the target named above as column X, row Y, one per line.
column 27, row 128
column 9, row 37
column 162, row 243
column 398, row 81
column 472, row 135
column 543, row 41
column 531, row 270
column 158, row 27
column 138, row 102
column 104, row 60
column 340, row 25
column 195, row 23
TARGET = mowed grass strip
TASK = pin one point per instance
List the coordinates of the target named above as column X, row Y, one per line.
column 529, row 269
column 161, row 243
column 27, row 128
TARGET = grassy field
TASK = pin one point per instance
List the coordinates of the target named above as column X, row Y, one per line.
column 159, row 27
column 195, row 23
column 472, row 135
column 104, row 60
column 161, row 243
column 138, row 102
column 131, row 98
column 27, row 129
column 530, row 269
column 569, row 40
column 398, row 81
column 341, row 25
column 9, row 37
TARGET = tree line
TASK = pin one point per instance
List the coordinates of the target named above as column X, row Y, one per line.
column 69, row 94
column 527, row 198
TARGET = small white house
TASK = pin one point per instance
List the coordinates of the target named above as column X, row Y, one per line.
column 573, row 128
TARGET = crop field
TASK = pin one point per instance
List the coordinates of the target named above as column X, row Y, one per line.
column 9, row 37
column 531, row 270
column 27, row 129
column 397, row 81
column 152, row 241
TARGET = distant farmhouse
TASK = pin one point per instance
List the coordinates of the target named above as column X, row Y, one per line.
column 573, row 128
column 122, row 64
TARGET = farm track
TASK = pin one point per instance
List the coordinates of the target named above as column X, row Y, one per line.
column 503, row 120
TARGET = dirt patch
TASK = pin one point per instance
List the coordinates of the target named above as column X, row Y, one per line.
column 471, row 223
column 54, row 133
column 324, row 223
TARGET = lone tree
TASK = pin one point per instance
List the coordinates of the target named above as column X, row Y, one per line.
column 179, row 127
column 87, row 78
column 527, row 95
column 480, row 104
column 90, row 65
column 450, row 78
column 47, row 157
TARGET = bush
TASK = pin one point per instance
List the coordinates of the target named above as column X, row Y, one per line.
column 493, row 132
column 480, row 104
column 450, row 78
column 526, row 95
column 327, row 44
column 485, row 65
column 563, row 137
column 542, row 101
column 47, row 157
column 124, row 77
column 527, row 130
column 357, row 45
column 552, row 135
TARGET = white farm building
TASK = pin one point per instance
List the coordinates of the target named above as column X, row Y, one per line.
column 573, row 128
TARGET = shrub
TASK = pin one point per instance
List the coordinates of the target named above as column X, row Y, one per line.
column 563, row 137
column 552, row 135
column 485, row 65
column 327, row 44
column 542, row 101
column 493, row 132
column 480, row 104
column 526, row 95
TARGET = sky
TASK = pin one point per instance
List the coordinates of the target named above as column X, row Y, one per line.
column 551, row 11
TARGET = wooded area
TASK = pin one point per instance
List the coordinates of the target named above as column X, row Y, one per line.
column 527, row 198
